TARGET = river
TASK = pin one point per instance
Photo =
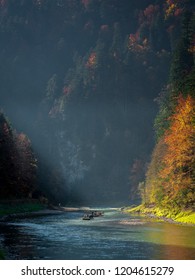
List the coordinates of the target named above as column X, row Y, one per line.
column 114, row 236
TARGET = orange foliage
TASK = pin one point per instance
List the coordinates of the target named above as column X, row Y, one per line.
column 150, row 12
column 173, row 8
column 154, row 189
column 180, row 140
column 134, row 44
column 92, row 60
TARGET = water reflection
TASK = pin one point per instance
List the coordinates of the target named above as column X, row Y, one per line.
column 114, row 236
column 179, row 236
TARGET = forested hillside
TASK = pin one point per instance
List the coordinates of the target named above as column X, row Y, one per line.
column 17, row 165
column 85, row 80
column 170, row 179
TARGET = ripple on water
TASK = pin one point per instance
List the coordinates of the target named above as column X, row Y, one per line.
column 114, row 236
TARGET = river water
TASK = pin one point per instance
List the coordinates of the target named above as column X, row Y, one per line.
column 111, row 237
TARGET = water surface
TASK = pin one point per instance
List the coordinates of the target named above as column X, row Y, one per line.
column 113, row 236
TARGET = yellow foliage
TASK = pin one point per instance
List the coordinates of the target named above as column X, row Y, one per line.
column 171, row 7
column 186, row 217
column 171, row 173
column 180, row 140
column 153, row 180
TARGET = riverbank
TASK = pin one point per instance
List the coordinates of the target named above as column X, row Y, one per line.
column 14, row 216
column 20, row 205
column 172, row 216
column 18, row 209
column 13, row 210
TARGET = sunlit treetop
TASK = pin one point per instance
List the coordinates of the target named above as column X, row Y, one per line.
column 134, row 45
column 92, row 60
column 173, row 8
column 180, row 139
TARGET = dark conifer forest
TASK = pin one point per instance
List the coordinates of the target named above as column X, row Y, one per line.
column 97, row 101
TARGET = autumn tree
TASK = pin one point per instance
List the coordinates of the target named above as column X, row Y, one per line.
column 154, row 192
column 179, row 161
column 170, row 179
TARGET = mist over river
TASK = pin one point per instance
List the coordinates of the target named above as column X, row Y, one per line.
column 113, row 236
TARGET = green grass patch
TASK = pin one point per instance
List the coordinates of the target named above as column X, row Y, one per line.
column 174, row 214
column 137, row 209
column 186, row 217
column 6, row 209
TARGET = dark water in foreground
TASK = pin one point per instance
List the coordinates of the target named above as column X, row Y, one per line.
column 114, row 236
